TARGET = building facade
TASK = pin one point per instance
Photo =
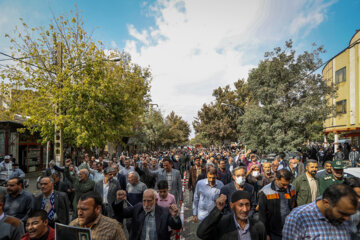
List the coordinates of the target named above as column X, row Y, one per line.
column 342, row 71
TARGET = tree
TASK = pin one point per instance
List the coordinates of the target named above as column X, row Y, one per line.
column 218, row 121
column 289, row 100
column 66, row 80
column 177, row 130
column 156, row 131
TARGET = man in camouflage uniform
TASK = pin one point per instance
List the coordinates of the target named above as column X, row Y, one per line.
column 337, row 176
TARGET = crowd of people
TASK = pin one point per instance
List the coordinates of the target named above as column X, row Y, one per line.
column 234, row 195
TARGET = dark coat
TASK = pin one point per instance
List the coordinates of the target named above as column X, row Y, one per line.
column 61, row 206
column 146, row 177
column 114, row 186
column 230, row 188
column 192, row 177
column 163, row 219
column 61, row 187
column 269, row 207
column 122, row 181
column 217, row 226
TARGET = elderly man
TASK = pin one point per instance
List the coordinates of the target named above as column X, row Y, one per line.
column 326, row 218
column 238, row 225
column 55, row 203
column 11, row 228
column 107, row 188
column 149, row 220
column 18, row 202
column 82, row 183
column 135, row 188
column 267, row 174
column 89, row 216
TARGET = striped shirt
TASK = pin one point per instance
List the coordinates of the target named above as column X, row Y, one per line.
column 307, row 222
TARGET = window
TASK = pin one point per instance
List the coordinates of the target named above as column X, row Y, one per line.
column 340, row 75
column 341, row 107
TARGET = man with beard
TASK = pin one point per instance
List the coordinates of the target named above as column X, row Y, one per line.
column 206, row 191
column 306, row 185
column 89, row 216
column 81, row 183
column 18, row 202
column 276, row 200
column 149, row 220
column 337, row 176
column 237, row 225
column 326, row 218
column 11, row 228
column 37, row 227
column 327, row 171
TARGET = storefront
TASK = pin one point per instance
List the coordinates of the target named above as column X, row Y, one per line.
column 25, row 148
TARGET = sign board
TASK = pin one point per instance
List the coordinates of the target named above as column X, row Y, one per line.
column 71, row 233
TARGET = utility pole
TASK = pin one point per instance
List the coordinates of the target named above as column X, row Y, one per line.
column 58, row 138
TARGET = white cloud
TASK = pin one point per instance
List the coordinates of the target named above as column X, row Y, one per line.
column 199, row 45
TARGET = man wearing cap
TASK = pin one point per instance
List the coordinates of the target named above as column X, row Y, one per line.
column 17, row 172
column 234, row 226
column 337, row 176
column 6, row 167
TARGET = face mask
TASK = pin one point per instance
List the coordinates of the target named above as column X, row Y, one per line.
column 240, row 181
column 71, row 173
column 255, row 173
column 295, row 165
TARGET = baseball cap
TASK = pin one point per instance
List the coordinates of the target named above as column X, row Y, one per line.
column 337, row 164
column 7, row 157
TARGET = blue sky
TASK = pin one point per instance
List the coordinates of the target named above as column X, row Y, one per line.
column 194, row 46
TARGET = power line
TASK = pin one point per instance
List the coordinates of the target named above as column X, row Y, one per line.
column 20, row 60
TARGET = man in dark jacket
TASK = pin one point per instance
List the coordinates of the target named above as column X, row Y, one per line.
column 238, row 183
column 194, row 173
column 55, row 203
column 218, row 226
column 276, row 200
column 149, row 221
column 109, row 196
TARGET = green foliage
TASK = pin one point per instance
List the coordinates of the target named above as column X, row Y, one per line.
column 289, row 101
column 155, row 131
column 95, row 100
column 218, row 121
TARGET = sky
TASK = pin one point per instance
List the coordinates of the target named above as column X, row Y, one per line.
column 195, row 46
